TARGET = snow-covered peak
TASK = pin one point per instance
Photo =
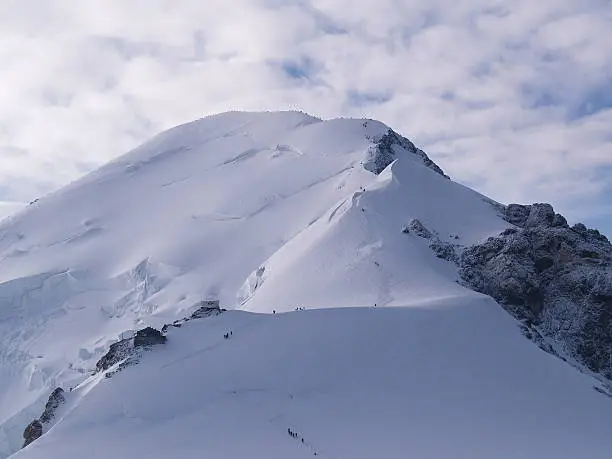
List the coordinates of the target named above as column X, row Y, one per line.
column 189, row 215
column 265, row 212
column 222, row 168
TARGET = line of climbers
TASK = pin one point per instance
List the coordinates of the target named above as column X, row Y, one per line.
column 295, row 435
column 228, row 334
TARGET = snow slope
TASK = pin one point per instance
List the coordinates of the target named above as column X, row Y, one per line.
column 266, row 212
column 451, row 380
column 7, row 208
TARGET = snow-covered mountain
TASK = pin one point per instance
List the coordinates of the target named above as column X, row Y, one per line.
column 273, row 213
column 7, row 208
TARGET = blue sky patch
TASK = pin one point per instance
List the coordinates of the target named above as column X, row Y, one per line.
column 362, row 98
column 594, row 101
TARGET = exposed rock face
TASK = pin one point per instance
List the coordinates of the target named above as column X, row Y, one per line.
column 128, row 350
column 444, row 250
column 415, row 226
column 32, row 432
column 35, row 428
column 206, row 308
column 385, row 150
column 533, row 215
column 556, row 279
column 116, row 353
column 55, row 400
column 148, row 337
column 205, row 312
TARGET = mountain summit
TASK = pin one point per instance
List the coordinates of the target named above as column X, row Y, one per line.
column 276, row 285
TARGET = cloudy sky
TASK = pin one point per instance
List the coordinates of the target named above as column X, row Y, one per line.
column 513, row 98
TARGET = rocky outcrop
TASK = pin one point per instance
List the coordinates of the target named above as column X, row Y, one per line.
column 415, row 226
column 117, row 352
column 442, row 249
column 125, row 352
column 128, row 351
column 35, row 428
column 555, row 278
column 384, row 152
column 32, row 432
column 55, row 400
column 206, row 308
column 148, row 337
column 533, row 216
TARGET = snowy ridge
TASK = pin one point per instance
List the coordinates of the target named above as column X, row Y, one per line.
column 268, row 213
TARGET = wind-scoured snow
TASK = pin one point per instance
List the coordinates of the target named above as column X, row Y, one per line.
column 268, row 213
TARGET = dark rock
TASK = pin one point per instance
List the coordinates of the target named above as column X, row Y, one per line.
column 35, row 428
column 580, row 229
column 589, row 254
column 556, row 278
column 419, row 229
column 116, row 353
column 444, row 250
column 149, row 337
column 516, row 214
column 385, row 149
column 509, row 231
column 540, row 215
column 128, row 350
column 559, row 220
column 55, row 400
column 32, row 432
column 533, row 215
column 206, row 308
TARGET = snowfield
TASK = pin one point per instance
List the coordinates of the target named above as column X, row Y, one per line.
column 8, row 208
column 270, row 212
column 448, row 380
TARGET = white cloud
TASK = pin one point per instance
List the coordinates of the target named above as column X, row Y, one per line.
column 511, row 97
